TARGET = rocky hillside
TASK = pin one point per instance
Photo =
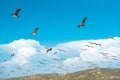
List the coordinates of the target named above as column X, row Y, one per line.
column 90, row 74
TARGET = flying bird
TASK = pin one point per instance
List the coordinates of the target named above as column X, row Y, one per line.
column 12, row 71
column 12, row 55
column 5, row 60
column 94, row 43
column 55, row 59
column 83, row 22
column 113, row 56
column 89, row 62
column 104, row 53
column 110, row 38
column 61, row 50
column 55, row 53
column 98, row 44
column 35, row 31
column 89, row 46
column 38, row 50
column 114, row 59
column 1, row 72
column 16, row 13
column 84, row 49
column 19, row 67
column 50, row 49
column 41, row 62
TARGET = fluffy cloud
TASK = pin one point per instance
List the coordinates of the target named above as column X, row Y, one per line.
column 68, row 57
column 71, row 61
column 23, row 50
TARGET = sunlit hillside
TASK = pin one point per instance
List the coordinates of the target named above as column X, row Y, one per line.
column 89, row 74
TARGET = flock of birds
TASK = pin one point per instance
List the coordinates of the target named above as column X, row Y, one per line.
column 36, row 29
column 43, row 62
column 16, row 15
column 91, row 45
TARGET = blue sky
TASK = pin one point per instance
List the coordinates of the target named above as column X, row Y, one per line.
column 58, row 20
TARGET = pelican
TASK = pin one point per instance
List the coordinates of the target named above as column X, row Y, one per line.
column 61, row 50
column 55, row 53
column 5, row 60
column 98, row 44
column 114, row 59
column 90, row 42
column 12, row 55
column 95, row 43
column 50, row 49
column 41, row 62
column 56, row 59
column 12, row 71
column 104, row 54
column 1, row 72
column 89, row 46
column 110, row 38
column 84, row 49
column 19, row 67
column 16, row 13
column 35, row 31
column 83, row 22
column 38, row 50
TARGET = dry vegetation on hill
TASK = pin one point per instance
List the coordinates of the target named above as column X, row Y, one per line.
column 90, row 74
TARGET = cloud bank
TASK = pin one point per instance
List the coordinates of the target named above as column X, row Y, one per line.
column 30, row 57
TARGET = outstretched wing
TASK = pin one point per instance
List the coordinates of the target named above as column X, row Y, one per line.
column 79, row 25
column 35, row 30
column 17, row 11
column 109, row 37
column 50, row 49
column 12, row 55
column 83, row 21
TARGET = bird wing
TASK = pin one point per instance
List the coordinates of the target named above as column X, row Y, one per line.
column 47, row 51
column 83, row 21
column 50, row 49
column 12, row 54
column 35, row 30
column 79, row 25
column 16, row 12
column 109, row 37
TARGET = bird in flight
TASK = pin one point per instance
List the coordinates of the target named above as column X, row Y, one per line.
column 61, row 50
column 89, row 46
column 5, row 60
column 41, row 62
column 50, row 49
column 16, row 13
column 55, row 53
column 12, row 55
column 109, row 37
column 94, row 43
column 84, row 49
column 83, row 22
column 35, row 31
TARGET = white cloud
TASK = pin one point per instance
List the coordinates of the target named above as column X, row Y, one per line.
column 74, row 53
column 23, row 55
column 23, row 50
column 24, row 43
column 71, row 61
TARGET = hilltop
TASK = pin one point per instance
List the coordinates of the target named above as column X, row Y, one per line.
column 89, row 74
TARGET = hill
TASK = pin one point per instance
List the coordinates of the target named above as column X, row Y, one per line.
column 89, row 74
